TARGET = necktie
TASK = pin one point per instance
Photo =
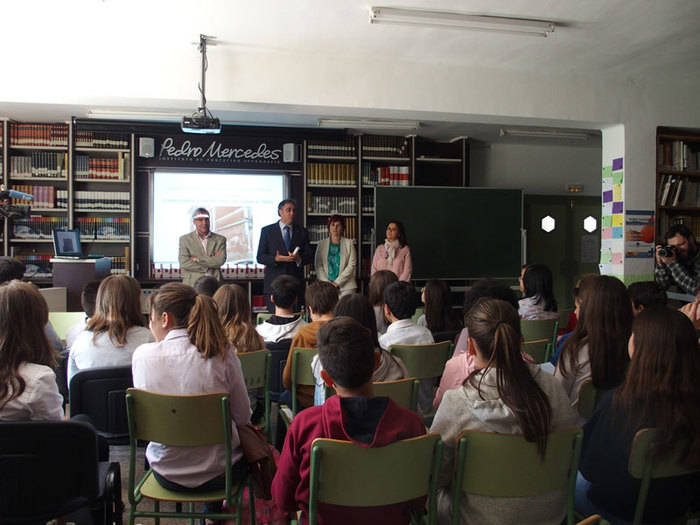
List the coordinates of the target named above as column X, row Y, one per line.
column 287, row 238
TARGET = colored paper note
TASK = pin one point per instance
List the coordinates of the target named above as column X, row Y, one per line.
column 607, row 220
column 617, row 164
column 617, row 176
column 607, row 196
column 617, row 258
column 617, row 192
column 616, row 231
column 605, row 257
column 617, row 207
column 606, row 233
column 617, row 219
column 607, row 172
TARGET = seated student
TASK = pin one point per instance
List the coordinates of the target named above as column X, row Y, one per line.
column 284, row 324
column 597, row 349
column 387, row 367
column 439, row 315
column 583, row 282
column 660, row 390
column 88, row 300
column 645, row 294
column 28, row 389
column 206, row 285
column 400, row 300
column 379, row 281
column 116, row 329
column 191, row 355
column 321, row 297
column 504, row 395
column 234, row 313
column 538, row 300
column 347, row 353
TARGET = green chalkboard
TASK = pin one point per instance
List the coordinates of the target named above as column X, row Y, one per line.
column 456, row 233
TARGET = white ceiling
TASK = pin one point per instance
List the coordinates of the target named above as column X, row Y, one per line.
column 633, row 39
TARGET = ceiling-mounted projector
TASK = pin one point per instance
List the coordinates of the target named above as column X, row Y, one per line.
column 202, row 121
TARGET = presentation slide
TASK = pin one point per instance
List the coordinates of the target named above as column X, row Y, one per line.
column 239, row 204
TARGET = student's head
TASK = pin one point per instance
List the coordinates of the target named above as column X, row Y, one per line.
column 200, row 219
column 346, row 351
column 379, row 281
column 396, row 232
column 682, row 239
column 321, row 297
column 118, row 308
column 492, row 288
column 401, row 299
column 537, row 283
column 661, row 384
column 88, row 297
column 357, row 306
column 10, row 269
column 286, row 209
column 285, row 290
column 23, row 317
column 177, row 305
column 645, row 294
column 604, row 326
column 206, row 285
column 438, row 308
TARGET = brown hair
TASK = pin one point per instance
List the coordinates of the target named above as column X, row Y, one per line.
column 195, row 312
column 118, row 308
column 336, row 218
column 380, row 280
column 661, row 388
column 439, row 315
column 322, row 297
column 23, row 318
column 494, row 325
column 234, row 313
column 605, row 325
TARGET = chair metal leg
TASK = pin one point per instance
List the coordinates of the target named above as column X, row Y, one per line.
column 251, row 503
column 156, row 508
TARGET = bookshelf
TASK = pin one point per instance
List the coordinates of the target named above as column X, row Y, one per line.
column 677, row 179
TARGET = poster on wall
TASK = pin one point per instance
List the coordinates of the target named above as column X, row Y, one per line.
column 639, row 234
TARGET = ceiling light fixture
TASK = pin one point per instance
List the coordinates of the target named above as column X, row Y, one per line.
column 125, row 114
column 454, row 20
column 557, row 134
column 368, row 124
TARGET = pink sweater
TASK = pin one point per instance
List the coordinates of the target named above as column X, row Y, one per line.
column 401, row 264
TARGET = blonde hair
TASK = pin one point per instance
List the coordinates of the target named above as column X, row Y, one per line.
column 196, row 313
column 23, row 319
column 117, row 308
column 234, row 313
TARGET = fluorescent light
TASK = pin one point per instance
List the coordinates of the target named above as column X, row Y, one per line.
column 368, row 124
column 453, row 20
column 125, row 114
column 544, row 134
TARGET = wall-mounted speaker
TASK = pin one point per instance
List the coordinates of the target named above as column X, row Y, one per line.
column 291, row 152
column 147, row 148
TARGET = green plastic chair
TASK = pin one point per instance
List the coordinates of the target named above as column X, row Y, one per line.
column 535, row 329
column 181, row 421
column 423, row 361
column 587, row 399
column 62, row 321
column 262, row 317
column 375, row 476
column 404, row 392
column 508, row 466
column 301, row 375
column 641, row 466
column 538, row 349
column 256, row 372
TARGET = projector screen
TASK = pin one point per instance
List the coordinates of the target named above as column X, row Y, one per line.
column 239, row 204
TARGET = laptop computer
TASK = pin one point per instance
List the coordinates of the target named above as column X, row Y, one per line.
column 66, row 244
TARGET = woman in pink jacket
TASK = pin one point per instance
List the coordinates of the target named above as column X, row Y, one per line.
column 394, row 254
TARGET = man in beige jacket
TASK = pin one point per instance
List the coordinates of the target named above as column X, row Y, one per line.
column 202, row 252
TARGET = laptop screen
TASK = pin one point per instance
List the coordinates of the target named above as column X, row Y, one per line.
column 66, row 243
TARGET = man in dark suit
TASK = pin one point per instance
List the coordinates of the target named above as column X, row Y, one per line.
column 284, row 249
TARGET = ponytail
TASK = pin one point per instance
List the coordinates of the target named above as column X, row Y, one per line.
column 495, row 327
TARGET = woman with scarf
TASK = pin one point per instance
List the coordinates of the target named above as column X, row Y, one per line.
column 394, row 254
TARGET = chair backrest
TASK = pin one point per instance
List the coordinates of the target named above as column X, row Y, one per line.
column 423, row 361
column 99, row 393
column 538, row 349
column 301, row 371
column 587, row 399
column 419, row 311
column 533, row 329
column 446, row 335
column 47, row 468
column 256, row 373
column 506, row 465
column 62, row 321
column 374, row 476
column 404, row 392
column 280, row 351
column 642, row 466
column 262, row 317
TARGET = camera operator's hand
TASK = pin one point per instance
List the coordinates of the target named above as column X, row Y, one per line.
column 691, row 310
column 664, row 260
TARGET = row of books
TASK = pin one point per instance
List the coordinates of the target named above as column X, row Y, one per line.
column 367, row 203
column 330, row 204
column 102, row 168
column 44, row 196
column 37, row 228
column 52, row 135
column 693, row 223
column 96, row 139
column 331, row 174
column 367, row 231
column 378, row 146
column 103, row 228
column 678, row 155
column 39, row 164
column 345, row 148
column 37, row 266
column 318, row 232
column 102, row 200
column 678, row 191
column 120, row 265
column 385, row 175
column 228, row 271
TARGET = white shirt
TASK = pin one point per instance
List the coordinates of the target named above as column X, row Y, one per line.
column 103, row 352
column 40, row 400
column 405, row 332
column 175, row 366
